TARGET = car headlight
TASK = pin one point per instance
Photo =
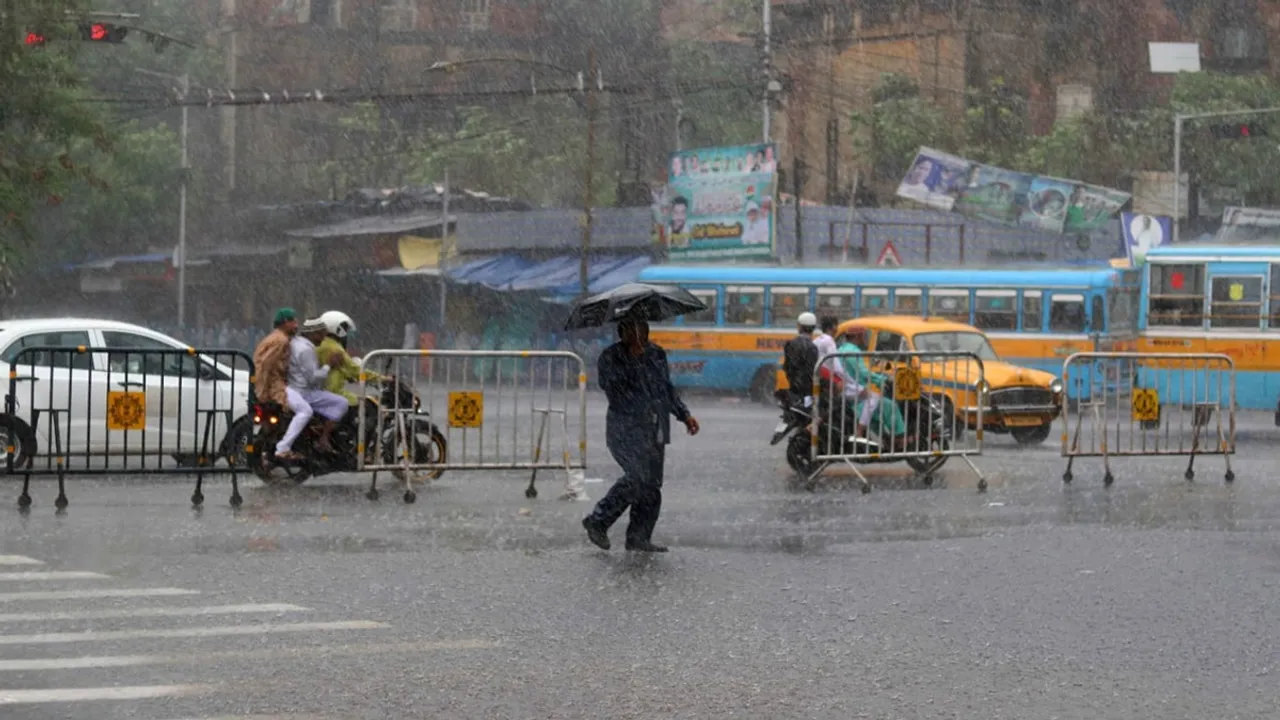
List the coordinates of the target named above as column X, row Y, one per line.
column 1056, row 386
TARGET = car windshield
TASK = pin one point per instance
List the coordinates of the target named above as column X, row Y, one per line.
column 970, row 342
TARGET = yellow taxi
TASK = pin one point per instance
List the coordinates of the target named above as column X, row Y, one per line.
column 1019, row 401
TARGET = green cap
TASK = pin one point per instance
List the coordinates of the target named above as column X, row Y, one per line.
column 284, row 315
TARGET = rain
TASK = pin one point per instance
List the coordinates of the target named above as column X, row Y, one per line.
column 638, row 358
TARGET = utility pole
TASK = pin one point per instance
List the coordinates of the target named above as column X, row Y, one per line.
column 797, row 167
column 588, row 192
column 765, row 107
column 181, row 260
column 444, row 252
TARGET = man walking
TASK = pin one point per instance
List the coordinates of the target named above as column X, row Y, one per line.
column 637, row 382
column 306, row 378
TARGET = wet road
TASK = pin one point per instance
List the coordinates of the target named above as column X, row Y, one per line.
column 1153, row 598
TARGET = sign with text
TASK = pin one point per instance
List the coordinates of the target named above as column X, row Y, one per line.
column 720, row 203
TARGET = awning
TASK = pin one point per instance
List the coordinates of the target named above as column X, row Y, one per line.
column 604, row 275
column 492, row 272
column 374, row 225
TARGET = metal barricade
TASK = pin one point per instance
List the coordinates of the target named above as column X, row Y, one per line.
column 127, row 411
column 1176, row 404
column 473, row 404
column 917, row 408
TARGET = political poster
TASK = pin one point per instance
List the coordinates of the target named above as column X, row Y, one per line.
column 720, row 203
column 1046, row 207
column 935, row 179
column 995, row 194
column 1144, row 232
column 1092, row 207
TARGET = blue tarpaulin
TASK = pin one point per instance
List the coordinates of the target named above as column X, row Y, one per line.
column 556, row 276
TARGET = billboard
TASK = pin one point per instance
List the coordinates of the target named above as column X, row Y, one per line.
column 720, row 203
column 1007, row 197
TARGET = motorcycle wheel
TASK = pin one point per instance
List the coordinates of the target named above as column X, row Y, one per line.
column 798, row 457
column 926, row 466
column 268, row 472
column 429, row 448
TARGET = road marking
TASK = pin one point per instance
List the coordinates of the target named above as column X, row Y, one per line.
column 53, row 575
column 153, row 612
column 135, row 692
column 94, row 594
column 115, row 661
column 18, row 560
column 197, row 632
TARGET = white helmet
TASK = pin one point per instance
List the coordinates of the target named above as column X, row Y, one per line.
column 338, row 323
column 807, row 320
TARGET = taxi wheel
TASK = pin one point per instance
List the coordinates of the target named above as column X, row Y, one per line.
column 1032, row 435
column 20, row 437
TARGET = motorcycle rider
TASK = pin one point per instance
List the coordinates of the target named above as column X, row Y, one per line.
column 306, row 376
column 799, row 358
column 855, row 367
column 271, row 359
column 338, row 327
column 841, row 380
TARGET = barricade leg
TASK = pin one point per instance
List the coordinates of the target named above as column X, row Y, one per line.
column 61, row 503
column 574, row 480
column 407, row 445
column 197, row 497
column 531, row 491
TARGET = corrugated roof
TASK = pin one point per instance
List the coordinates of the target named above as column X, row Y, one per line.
column 373, row 225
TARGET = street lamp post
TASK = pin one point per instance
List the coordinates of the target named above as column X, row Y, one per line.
column 1178, row 121
column 185, row 79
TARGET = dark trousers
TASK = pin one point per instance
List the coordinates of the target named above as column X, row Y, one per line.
column 639, row 488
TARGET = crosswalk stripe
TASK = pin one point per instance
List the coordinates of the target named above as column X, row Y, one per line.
column 116, row 661
column 197, row 632
column 153, row 612
column 53, row 575
column 135, row 692
column 18, row 560
column 43, row 595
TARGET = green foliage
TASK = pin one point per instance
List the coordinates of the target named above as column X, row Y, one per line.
column 48, row 135
column 1098, row 148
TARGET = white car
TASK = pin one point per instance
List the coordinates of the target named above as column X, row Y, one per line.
column 170, row 400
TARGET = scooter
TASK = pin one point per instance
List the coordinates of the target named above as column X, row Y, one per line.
column 799, row 415
column 271, row 420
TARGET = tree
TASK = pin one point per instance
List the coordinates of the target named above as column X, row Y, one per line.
column 897, row 125
column 48, row 134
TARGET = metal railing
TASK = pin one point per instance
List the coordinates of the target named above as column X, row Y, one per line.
column 1178, row 405
column 916, row 408
column 127, row 411
column 485, row 410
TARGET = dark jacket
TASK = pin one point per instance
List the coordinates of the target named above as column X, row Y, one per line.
column 799, row 358
column 641, row 396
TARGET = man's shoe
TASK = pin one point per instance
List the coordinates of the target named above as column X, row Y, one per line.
column 596, row 534
column 646, row 547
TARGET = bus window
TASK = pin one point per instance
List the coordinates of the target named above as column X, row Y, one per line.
column 1032, row 311
column 949, row 304
column 995, row 310
column 1177, row 296
column 875, row 301
column 1123, row 305
column 1067, row 314
column 786, row 304
column 744, row 306
column 703, row 317
column 1097, row 314
column 1236, row 302
column 907, row 302
column 1275, row 297
column 836, row 301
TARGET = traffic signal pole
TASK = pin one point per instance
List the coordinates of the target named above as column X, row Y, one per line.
column 1178, row 121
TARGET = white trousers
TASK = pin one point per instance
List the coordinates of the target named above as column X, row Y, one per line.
column 304, row 403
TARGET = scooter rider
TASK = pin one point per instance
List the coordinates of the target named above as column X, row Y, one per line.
column 799, row 358
column 338, row 328
column 306, row 376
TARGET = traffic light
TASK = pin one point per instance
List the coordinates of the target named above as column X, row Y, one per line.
column 103, row 32
column 35, row 39
column 1237, row 131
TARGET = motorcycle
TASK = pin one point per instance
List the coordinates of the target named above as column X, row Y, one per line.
column 271, row 420
column 799, row 414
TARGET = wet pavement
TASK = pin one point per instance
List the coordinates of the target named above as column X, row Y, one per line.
column 1151, row 598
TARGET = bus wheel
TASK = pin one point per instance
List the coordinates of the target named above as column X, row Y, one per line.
column 762, row 383
column 1032, row 435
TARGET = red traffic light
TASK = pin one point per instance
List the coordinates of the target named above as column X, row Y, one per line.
column 103, row 32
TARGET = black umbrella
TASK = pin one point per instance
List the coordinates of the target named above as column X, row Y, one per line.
column 650, row 302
